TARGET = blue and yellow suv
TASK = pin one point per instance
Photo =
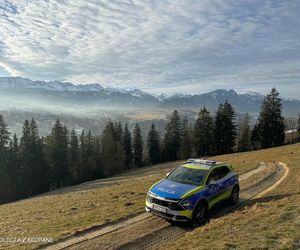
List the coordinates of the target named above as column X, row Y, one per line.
column 190, row 191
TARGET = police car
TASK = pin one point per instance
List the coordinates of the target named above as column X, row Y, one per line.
column 192, row 189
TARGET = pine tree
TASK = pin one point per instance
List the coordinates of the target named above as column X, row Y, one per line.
column 298, row 126
column 172, row 138
column 186, row 144
column 43, row 183
column 26, row 168
column 127, row 145
column 74, row 156
column 13, row 168
column 98, row 162
column 118, row 132
column 271, row 122
column 90, row 154
column 4, row 150
column 112, row 153
column 137, row 147
column 203, row 133
column 225, row 129
column 33, row 168
column 37, row 159
column 244, row 143
column 83, row 160
column 58, row 148
column 255, row 137
column 153, row 146
column 4, row 138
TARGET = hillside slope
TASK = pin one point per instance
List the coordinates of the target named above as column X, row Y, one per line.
column 268, row 222
column 63, row 212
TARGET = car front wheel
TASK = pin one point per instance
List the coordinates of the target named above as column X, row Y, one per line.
column 200, row 214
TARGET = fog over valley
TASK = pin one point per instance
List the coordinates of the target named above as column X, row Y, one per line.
column 90, row 106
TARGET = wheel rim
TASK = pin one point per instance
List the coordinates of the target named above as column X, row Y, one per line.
column 235, row 195
column 200, row 215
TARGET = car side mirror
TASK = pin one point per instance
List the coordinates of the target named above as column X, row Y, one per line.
column 167, row 175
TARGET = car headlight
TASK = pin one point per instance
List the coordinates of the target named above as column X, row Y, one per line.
column 186, row 204
column 149, row 198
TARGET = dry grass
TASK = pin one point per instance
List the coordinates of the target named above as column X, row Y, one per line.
column 269, row 222
column 63, row 212
column 258, row 177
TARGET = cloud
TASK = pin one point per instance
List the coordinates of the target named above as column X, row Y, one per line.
column 167, row 45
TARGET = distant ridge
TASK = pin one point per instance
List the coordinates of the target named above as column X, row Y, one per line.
column 66, row 93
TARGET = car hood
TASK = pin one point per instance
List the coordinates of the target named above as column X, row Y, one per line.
column 171, row 189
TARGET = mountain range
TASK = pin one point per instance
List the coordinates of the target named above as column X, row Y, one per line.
column 17, row 92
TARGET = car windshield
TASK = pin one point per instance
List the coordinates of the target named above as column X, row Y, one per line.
column 188, row 175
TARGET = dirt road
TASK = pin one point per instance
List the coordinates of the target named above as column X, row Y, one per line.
column 145, row 231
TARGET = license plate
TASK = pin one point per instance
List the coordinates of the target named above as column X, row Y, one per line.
column 160, row 209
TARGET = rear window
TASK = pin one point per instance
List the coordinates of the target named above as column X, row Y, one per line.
column 224, row 170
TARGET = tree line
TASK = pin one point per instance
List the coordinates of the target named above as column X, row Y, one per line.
column 31, row 164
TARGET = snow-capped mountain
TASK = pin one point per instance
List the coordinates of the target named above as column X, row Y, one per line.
column 24, row 83
column 16, row 90
column 19, row 83
column 162, row 97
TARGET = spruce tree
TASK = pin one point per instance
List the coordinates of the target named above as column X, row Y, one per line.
column 271, row 122
column 137, row 147
column 13, row 168
column 98, row 162
column 74, row 164
column 127, row 145
column 186, row 144
column 43, row 183
column 4, row 138
column 58, row 147
column 172, row 138
column 203, row 133
column 83, row 160
column 90, row 154
column 255, row 137
column 153, row 146
column 4, row 150
column 112, row 153
column 37, row 160
column 225, row 129
column 118, row 132
column 244, row 143
column 298, row 127
column 26, row 158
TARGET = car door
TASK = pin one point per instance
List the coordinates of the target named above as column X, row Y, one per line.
column 215, row 186
column 225, row 181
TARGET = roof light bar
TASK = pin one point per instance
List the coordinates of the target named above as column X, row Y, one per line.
column 201, row 161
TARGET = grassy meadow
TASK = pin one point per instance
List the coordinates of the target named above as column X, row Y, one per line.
column 267, row 222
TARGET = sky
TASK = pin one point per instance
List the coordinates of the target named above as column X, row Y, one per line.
column 167, row 46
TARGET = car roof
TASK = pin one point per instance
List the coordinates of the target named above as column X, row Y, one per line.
column 202, row 164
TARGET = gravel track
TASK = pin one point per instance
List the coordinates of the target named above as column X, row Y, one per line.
column 133, row 233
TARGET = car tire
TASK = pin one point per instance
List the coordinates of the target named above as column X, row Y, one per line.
column 234, row 197
column 200, row 214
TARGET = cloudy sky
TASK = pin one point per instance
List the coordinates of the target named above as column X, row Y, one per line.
column 160, row 46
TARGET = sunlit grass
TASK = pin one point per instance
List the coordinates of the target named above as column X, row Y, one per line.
column 270, row 222
column 63, row 212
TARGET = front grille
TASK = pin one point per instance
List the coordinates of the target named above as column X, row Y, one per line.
column 171, row 205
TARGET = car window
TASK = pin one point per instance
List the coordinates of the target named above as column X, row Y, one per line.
column 224, row 170
column 214, row 175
